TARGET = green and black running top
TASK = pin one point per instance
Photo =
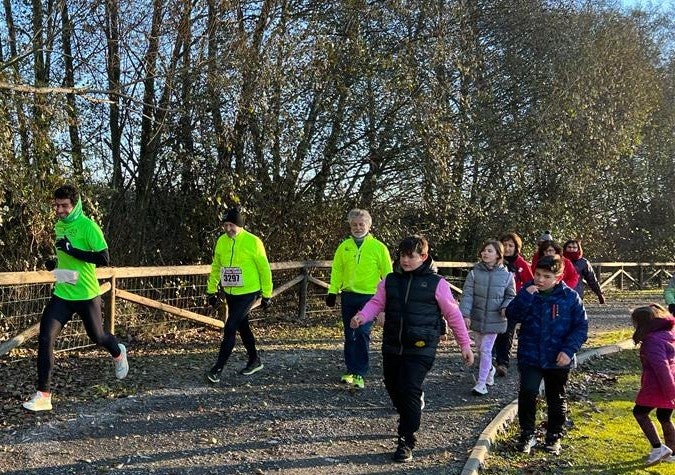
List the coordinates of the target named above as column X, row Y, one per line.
column 83, row 233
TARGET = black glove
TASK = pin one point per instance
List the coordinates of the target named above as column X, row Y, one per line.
column 671, row 309
column 64, row 245
column 265, row 303
column 213, row 300
column 601, row 298
column 330, row 300
column 50, row 264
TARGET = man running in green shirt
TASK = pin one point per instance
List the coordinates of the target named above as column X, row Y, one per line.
column 80, row 247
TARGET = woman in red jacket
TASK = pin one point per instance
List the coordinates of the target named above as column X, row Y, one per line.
column 522, row 273
column 654, row 330
column 551, row 248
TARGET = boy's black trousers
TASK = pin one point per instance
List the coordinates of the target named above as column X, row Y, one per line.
column 555, row 380
column 403, row 378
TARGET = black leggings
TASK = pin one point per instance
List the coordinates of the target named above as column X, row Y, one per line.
column 641, row 414
column 238, row 307
column 55, row 316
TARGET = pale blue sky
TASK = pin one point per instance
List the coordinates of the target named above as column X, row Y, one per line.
column 646, row 3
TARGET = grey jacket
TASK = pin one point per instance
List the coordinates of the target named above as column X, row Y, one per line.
column 486, row 291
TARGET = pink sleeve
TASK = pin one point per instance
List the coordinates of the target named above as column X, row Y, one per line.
column 452, row 315
column 376, row 304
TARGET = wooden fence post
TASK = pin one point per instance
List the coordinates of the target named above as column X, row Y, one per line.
column 302, row 303
column 109, row 315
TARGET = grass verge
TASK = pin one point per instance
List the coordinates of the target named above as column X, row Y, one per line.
column 604, row 437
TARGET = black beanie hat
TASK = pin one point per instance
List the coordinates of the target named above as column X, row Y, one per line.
column 234, row 216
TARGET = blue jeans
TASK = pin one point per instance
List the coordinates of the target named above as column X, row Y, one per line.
column 357, row 342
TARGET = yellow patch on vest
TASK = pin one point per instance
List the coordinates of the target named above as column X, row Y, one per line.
column 420, row 344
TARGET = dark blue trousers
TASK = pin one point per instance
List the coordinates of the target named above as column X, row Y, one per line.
column 357, row 342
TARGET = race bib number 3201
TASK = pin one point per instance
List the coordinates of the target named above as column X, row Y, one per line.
column 231, row 277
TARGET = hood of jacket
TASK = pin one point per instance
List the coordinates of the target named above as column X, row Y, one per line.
column 75, row 213
column 661, row 324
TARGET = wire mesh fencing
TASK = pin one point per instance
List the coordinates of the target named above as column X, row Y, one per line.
column 23, row 296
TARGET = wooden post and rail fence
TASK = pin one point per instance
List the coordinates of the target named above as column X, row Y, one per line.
column 640, row 275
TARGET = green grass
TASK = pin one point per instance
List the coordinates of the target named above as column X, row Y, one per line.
column 605, row 438
column 608, row 338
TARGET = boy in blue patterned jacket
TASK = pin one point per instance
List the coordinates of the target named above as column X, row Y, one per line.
column 553, row 326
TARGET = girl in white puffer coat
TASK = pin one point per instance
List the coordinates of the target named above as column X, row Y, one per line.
column 488, row 290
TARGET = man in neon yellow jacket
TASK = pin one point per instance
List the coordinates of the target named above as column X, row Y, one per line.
column 360, row 262
column 240, row 270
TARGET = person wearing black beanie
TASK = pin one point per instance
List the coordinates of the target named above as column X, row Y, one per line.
column 234, row 216
column 241, row 273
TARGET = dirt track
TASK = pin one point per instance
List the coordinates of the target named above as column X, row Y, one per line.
column 291, row 418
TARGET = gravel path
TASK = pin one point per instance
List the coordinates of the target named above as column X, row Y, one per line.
column 292, row 418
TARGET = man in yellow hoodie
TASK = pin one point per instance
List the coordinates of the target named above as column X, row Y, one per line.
column 360, row 262
column 241, row 272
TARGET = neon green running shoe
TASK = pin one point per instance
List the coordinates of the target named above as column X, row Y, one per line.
column 358, row 382
column 347, row 378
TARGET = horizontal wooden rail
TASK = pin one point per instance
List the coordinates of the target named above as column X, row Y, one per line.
column 179, row 312
column 104, row 273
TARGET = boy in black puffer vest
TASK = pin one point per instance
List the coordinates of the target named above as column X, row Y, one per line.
column 414, row 298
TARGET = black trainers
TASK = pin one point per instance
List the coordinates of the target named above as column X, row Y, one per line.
column 252, row 367
column 212, row 376
column 552, row 444
column 526, row 442
column 404, row 450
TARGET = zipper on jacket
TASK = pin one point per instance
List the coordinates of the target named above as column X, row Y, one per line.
column 232, row 254
column 400, row 327
column 487, row 299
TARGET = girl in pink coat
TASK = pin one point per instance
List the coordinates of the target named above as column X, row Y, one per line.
column 654, row 330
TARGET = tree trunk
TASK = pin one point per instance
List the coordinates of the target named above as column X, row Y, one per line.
column 69, row 81
column 149, row 134
column 24, row 144
column 212, row 85
column 113, row 71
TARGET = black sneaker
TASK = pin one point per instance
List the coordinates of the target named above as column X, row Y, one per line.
column 526, row 442
column 253, row 367
column 403, row 451
column 552, row 445
column 212, row 376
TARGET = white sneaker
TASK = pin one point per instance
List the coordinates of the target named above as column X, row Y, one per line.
column 491, row 376
column 480, row 389
column 121, row 365
column 658, row 454
column 39, row 402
